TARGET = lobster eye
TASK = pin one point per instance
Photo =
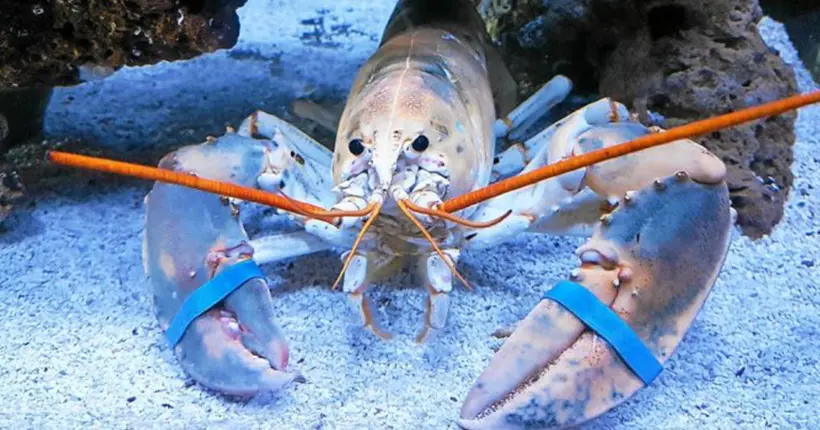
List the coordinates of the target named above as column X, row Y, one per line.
column 421, row 143
column 356, row 147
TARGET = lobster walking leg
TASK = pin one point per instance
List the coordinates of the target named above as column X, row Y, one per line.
column 277, row 247
column 356, row 281
column 439, row 285
column 513, row 159
column 525, row 114
column 551, row 206
column 539, row 149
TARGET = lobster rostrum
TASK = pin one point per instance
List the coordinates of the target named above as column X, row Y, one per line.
column 414, row 175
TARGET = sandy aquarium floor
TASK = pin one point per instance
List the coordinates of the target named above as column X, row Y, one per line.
column 79, row 345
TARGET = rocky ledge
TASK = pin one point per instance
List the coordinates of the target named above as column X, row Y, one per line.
column 45, row 43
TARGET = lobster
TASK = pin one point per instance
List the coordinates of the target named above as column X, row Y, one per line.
column 418, row 173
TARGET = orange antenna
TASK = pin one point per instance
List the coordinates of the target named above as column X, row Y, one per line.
column 644, row 142
column 321, row 213
column 196, row 182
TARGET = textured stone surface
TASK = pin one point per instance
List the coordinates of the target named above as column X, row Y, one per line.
column 45, row 42
column 682, row 59
column 21, row 115
column 4, row 128
column 11, row 188
column 21, row 111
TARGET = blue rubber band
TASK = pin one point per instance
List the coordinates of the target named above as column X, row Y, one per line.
column 607, row 324
column 209, row 294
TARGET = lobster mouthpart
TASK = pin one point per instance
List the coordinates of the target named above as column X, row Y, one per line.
column 190, row 237
column 653, row 261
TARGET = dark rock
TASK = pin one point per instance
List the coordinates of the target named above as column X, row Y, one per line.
column 4, row 129
column 43, row 43
column 21, row 114
column 683, row 59
column 11, row 188
column 21, row 122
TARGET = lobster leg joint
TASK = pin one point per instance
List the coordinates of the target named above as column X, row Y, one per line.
column 355, row 286
column 439, row 285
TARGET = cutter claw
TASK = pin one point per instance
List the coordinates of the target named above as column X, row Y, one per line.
column 556, row 370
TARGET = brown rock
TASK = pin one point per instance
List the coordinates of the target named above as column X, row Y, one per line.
column 43, row 43
column 683, row 59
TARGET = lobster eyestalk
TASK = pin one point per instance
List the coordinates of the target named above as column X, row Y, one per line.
column 645, row 142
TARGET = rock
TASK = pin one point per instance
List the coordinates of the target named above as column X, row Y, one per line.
column 21, row 119
column 21, row 115
column 682, row 59
column 11, row 188
column 47, row 43
column 63, row 42
column 4, row 129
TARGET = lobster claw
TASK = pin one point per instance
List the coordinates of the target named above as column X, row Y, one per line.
column 238, row 350
column 192, row 238
column 653, row 262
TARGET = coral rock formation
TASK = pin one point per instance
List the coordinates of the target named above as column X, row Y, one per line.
column 44, row 43
column 11, row 188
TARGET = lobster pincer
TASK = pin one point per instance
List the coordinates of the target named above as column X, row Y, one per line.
column 604, row 333
column 212, row 301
